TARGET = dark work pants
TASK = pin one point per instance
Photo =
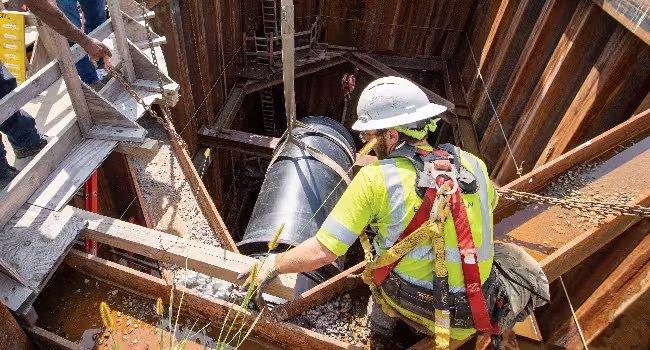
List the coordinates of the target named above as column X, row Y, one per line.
column 20, row 128
column 94, row 12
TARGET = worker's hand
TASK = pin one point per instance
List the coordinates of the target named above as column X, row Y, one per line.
column 261, row 278
column 96, row 49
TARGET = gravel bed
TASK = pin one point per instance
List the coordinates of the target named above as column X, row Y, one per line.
column 344, row 318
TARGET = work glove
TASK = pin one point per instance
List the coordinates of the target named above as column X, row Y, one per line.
column 259, row 278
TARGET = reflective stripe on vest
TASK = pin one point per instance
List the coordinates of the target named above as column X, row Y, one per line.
column 396, row 194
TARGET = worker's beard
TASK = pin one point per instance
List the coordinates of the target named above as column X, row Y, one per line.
column 382, row 149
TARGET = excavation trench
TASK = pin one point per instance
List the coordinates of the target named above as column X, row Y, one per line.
column 69, row 307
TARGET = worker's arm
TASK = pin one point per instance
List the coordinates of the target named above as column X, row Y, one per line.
column 307, row 256
column 50, row 14
column 350, row 216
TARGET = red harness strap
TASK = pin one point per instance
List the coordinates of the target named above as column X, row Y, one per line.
column 380, row 274
column 471, row 273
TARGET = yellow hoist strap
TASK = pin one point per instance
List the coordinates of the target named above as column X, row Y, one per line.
column 432, row 229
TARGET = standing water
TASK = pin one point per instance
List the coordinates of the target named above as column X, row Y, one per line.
column 69, row 307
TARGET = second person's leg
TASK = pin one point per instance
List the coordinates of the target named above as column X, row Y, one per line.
column 85, row 68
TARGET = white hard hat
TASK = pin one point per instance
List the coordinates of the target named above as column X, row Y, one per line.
column 393, row 101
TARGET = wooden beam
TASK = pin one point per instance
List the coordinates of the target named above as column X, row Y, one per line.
column 49, row 340
column 326, row 291
column 462, row 125
column 64, row 181
column 285, row 334
column 57, row 46
column 34, row 243
column 632, row 14
column 537, row 179
column 377, row 69
column 571, row 254
column 330, row 60
column 549, row 97
column 616, row 296
column 37, row 170
column 241, row 141
column 549, row 25
column 214, row 219
column 603, row 81
column 119, row 40
column 230, row 109
column 203, row 258
column 28, row 90
column 435, row 64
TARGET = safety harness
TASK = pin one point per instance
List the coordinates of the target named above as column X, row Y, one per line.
column 440, row 176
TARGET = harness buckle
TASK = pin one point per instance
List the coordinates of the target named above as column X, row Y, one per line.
column 433, row 170
column 469, row 256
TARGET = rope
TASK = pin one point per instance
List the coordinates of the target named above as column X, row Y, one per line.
column 573, row 314
column 519, row 167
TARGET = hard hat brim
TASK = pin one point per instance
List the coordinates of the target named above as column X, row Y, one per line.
column 429, row 111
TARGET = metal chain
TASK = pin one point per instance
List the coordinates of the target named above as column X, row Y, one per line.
column 165, row 120
column 605, row 208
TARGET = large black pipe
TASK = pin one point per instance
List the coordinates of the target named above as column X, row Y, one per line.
column 299, row 192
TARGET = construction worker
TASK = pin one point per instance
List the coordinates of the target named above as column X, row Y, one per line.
column 21, row 127
column 434, row 262
column 94, row 14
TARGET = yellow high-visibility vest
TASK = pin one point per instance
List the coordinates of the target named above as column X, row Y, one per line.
column 383, row 196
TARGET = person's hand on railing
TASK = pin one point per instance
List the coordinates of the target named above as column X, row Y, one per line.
column 96, row 49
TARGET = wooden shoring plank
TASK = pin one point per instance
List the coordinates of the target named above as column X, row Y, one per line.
column 34, row 243
column 196, row 48
column 632, row 14
column 200, row 257
column 494, row 45
column 463, row 127
column 377, row 69
column 586, row 31
column 285, row 334
column 71, row 174
column 49, row 340
column 511, row 38
column 537, row 179
column 495, row 14
column 146, row 212
column 328, row 290
column 231, row 108
column 28, row 90
column 241, row 141
column 603, row 81
column 215, row 221
column 435, row 64
column 57, row 46
column 585, row 280
column 613, row 298
column 37, row 170
column 117, row 23
column 530, row 64
column 571, row 254
column 301, row 71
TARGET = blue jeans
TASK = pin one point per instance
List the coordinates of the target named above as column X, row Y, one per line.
column 20, row 128
column 94, row 15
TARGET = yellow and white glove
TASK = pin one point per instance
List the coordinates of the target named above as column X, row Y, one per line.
column 260, row 277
